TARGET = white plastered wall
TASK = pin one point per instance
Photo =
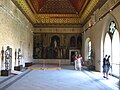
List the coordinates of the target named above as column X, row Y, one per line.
column 97, row 33
column 15, row 31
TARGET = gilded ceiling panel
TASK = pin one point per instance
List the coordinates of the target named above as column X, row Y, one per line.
column 44, row 12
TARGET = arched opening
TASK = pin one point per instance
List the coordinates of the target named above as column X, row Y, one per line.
column 115, row 53
column 72, row 41
column 107, row 45
column 55, row 41
column 89, row 55
column 87, row 49
column 79, row 42
column 112, row 47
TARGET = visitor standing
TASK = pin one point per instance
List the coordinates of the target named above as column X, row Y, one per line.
column 79, row 60
column 106, row 66
column 75, row 61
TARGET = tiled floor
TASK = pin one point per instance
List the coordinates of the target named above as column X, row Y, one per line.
column 64, row 79
column 5, row 78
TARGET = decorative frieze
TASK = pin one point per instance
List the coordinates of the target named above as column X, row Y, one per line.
column 107, row 7
column 58, row 20
column 100, row 13
column 88, row 10
column 57, row 30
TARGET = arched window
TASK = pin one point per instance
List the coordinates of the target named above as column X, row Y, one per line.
column 107, row 45
column 112, row 28
column 72, row 41
column 112, row 46
column 55, row 41
column 79, row 42
column 89, row 50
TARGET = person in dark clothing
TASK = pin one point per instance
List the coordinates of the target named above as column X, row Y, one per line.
column 106, row 66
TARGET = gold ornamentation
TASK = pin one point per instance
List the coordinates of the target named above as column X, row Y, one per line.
column 88, row 9
column 58, row 30
column 25, row 8
column 55, row 18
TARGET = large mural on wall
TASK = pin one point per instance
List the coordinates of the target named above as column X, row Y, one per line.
column 54, row 48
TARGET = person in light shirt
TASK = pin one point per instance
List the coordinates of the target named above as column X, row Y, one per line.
column 75, row 61
column 79, row 60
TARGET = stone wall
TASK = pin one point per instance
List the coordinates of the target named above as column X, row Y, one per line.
column 97, row 27
column 15, row 32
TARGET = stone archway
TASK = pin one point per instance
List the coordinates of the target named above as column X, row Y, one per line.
column 55, row 41
column 112, row 47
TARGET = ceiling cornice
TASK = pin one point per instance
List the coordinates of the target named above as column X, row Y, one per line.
column 55, row 18
column 88, row 10
column 72, row 25
column 23, row 6
column 82, row 9
column 31, row 6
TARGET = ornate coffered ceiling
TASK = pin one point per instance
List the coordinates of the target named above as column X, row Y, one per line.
column 57, row 12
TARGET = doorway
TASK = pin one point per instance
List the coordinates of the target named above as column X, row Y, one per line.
column 72, row 54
